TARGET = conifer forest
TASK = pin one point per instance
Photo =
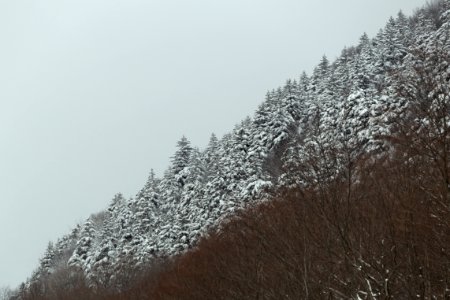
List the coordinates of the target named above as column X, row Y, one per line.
column 337, row 187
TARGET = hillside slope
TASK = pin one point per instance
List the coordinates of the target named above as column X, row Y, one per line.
column 387, row 93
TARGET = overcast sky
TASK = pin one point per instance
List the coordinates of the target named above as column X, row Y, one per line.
column 95, row 93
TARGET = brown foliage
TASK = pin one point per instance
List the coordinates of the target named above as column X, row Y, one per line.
column 383, row 236
column 388, row 239
column 303, row 247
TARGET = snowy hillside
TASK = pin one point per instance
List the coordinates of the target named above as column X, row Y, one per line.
column 353, row 105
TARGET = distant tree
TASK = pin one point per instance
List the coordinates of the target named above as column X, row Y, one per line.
column 82, row 257
column 6, row 293
column 181, row 157
column 320, row 77
column 341, row 81
column 392, row 46
column 212, row 157
column 363, row 68
column 47, row 261
column 149, row 189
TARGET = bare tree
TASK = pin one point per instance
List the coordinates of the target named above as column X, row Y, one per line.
column 6, row 293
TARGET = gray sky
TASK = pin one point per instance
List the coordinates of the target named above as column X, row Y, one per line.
column 94, row 93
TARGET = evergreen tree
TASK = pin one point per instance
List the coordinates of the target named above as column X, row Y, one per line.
column 181, row 157
column 212, row 157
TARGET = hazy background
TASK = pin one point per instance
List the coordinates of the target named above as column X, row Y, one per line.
column 94, row 93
